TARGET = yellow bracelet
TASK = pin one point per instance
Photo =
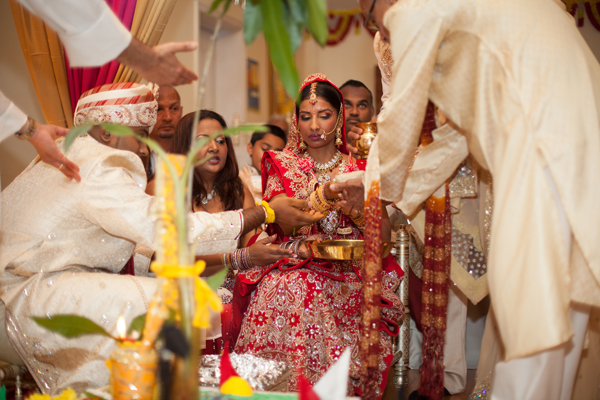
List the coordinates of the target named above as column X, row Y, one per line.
column 269, row 213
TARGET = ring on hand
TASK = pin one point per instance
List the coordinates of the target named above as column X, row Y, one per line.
column 60, row 167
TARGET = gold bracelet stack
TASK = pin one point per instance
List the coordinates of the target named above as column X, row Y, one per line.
column 319, row 202
column 226, row 261
column 239, row 260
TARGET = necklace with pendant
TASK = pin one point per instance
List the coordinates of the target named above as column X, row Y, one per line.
column 329, row 165
column 322, row 169
column 331, row 222
column 209, row 197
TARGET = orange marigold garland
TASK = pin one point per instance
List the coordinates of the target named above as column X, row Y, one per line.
column 372, row 275
column 436, row 279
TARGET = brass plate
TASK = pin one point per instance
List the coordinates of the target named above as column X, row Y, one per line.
column 343, row 249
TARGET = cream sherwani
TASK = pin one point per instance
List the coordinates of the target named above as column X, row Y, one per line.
column 62, row 244
column 520, row 83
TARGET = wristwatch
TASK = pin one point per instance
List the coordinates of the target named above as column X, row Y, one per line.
column 28, row 132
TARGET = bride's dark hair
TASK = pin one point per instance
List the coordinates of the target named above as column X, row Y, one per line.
column 324, row 90
column 228, row 184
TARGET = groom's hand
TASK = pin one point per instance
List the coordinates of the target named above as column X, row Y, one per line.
column 351, row 194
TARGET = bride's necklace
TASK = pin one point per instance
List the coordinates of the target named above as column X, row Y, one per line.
column 209, row 197
column 331, row 222
column 329, row 165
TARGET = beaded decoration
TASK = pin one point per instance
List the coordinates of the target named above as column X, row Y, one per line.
column 313, row 93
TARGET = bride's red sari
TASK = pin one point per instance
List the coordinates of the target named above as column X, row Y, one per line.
column 306, row 312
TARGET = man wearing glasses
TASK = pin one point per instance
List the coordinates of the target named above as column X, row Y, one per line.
column 525, row 92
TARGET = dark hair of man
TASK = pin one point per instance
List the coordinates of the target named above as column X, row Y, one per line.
column 326, row 91
column 358, row 84
column 273, row 130
column 228, row 184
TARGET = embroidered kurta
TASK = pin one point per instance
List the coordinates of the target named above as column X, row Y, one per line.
column 61, row 243
column 518, row 80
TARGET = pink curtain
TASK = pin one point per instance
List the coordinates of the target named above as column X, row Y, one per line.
column 83, row 79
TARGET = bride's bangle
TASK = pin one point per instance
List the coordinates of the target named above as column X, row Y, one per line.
column 296, row 245
column 321, row 193
column 320, row 204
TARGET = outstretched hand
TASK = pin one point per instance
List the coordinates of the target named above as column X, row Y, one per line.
column 290, row 212
column 43, row 139
column 304, row 251
column 263, row 254
column 353, row 135
column 351, row 194
column 159, row 64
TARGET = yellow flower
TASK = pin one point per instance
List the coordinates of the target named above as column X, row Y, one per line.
column 205, row 297
column 67, row 394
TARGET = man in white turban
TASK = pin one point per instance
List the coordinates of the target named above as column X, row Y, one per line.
column 63, row 243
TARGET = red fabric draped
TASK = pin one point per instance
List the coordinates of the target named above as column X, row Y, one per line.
column 82, row 79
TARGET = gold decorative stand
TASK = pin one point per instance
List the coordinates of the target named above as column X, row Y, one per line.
column 402, row 343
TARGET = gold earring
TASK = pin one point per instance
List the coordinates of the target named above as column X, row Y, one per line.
column 338, row 137
column 302, row 145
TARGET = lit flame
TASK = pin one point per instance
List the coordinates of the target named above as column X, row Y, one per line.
column 121, row 327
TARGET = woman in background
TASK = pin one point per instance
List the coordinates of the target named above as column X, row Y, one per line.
column 217, row 188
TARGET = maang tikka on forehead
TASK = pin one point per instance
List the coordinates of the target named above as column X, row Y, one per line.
column 313, row 93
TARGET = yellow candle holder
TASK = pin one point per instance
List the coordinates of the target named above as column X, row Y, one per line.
column 133, row 371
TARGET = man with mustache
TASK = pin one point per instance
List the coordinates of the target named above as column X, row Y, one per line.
column 358, row 101
column 168, row 116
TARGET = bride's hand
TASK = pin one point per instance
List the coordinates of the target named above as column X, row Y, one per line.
column 304, row 251
column 262, row 254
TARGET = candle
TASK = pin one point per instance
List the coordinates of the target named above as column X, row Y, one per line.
column 121, row 327
column 133, row 368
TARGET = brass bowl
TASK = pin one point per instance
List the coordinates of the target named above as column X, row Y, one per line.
column 366, row 139
column 343, row 249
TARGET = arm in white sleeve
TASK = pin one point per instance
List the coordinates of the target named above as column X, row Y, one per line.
column 89, row 30
column 433, row 165
column 11, row 117
column 215, row 233
column 415, row 38
column 384, row 61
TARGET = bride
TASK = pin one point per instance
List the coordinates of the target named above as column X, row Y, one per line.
column 306, row 311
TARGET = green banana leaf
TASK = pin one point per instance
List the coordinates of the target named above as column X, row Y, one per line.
column 70, row 326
